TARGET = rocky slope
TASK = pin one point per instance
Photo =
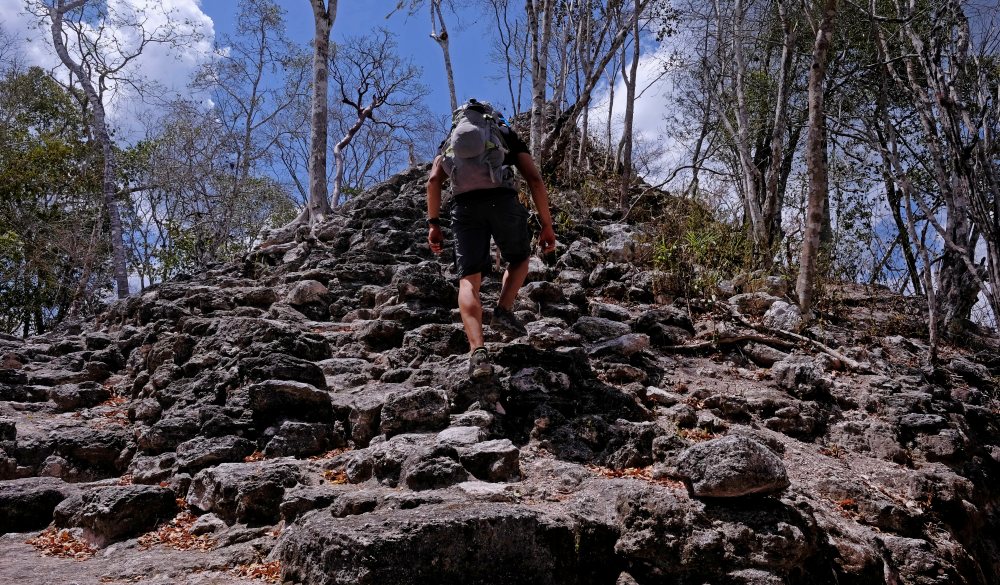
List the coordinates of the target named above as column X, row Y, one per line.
column 307, row 414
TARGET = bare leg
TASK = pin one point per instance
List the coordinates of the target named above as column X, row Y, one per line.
column 513, row 279
column 472, row 309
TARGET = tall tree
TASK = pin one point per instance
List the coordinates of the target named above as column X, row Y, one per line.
column 946, row 65
column 631, row 81
column 370, row 77
column 318, row 205
column 816, row 160
column 52, row 241
column 97, row 61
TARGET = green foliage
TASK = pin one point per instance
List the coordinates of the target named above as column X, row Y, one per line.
column 50, row 214
column 695, row 250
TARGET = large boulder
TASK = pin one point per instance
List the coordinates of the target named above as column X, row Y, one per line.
column 414, row 409
column 27, row 504
column 243, row 492
column 730, row 467
column 499, row 544
column 112, row 513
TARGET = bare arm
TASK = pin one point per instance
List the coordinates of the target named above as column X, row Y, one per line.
column 435, row 182
column 540, row 195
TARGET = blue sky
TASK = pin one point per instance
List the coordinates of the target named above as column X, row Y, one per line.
column 468, row 33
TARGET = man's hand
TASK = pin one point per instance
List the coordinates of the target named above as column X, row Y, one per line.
column 547, row 239
column 435, row 238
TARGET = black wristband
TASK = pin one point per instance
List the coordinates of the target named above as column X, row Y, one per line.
column 433, row 221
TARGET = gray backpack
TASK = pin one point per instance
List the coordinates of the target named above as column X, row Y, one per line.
column 475, row 149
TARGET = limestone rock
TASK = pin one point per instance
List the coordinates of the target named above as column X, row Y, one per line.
column 243, row 492
column 730, row 467
column 27, row 504
column 108, row 514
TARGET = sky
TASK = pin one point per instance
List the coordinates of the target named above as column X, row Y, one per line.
column 476, row 75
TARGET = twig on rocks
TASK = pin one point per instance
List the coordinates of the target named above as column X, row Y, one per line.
column 843, row 360
column 734, row 340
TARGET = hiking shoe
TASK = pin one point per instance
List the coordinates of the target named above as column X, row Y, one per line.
column 506, row 322
column 480, row 366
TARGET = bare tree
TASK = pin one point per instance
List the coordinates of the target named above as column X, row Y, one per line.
column 98, row 61
column 945, row 65
column 540, row 32
column 318, row 206
column 439, row 32
column 370, row 77
column 816, row 160
column 631, row 81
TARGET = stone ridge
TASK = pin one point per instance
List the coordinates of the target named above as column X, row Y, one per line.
column 310, row 406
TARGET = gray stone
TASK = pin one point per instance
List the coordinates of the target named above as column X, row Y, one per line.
column 305, row 292
column 299, row 439
column 763, row 355
column 243, row 492
column 8, row 430
column 496, row 460
column 599, row 329
column 461, row 436
column 495, row 543
column 414, row 409
column 207, row 524
column 551, row 332
column 75, row 396
column 202, row 452
column 433, row 472
column 286, row 398
column 783, row 316
column 801, row 376
column 626, row 345
column 27, row 504
column 753, row 303
column 109, row 514
column 730, row 467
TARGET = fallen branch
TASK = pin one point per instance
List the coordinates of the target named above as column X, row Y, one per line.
column 734, row 340
column 844, row 361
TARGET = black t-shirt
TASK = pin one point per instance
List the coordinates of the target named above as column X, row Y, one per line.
column 514, row 145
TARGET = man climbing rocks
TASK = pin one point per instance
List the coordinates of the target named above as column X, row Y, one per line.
column 477, row 156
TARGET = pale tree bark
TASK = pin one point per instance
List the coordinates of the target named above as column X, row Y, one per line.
column 324, row 14
column 816, row 159
column 317, row 208
column 953, row 92
column 109, row 67
column 369, row 76
column 441, row 38
column 57, row 10
column 771, row 211
column 557, row 140
column 740, row 131
column 540, row 38
column 631, row 81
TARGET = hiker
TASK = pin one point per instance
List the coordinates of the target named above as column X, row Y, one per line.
column 477, row 156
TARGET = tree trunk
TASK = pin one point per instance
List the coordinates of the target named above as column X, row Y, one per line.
column 318, row 206
column 338, row 151
column 772, row 201
column 815, row 160
column 627, row 139
column 442, row 41
column 539, row 70
column 102, row 135
column 323, row 16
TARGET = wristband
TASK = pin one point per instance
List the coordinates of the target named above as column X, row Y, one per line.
column 433, row 221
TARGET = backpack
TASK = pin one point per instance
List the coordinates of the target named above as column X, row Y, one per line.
column 475, row 149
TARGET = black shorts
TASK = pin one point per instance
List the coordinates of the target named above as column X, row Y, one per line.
column 476, row 217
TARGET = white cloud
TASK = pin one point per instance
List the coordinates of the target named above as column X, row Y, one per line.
column 652, row 110
column 170, row 67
